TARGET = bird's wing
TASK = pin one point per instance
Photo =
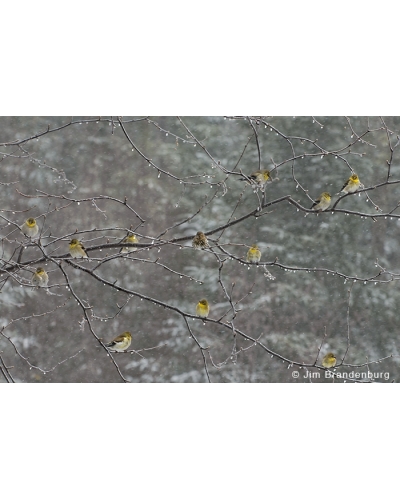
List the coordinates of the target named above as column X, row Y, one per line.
column 345, row 184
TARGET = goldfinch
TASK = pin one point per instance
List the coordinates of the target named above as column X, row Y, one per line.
column 40, row 277
column 352, row 185
column 76, row 249
column 329, row 360
column 254, row 254
column 322, row 202
column 129, row 238
column 258, row 178
column 202, row 308
column 121, row 342
column 200, row 241
column 30, row 228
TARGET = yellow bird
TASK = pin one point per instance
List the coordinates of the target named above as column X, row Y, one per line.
column 121, row 342
column 329, row 360
column 30, row 228
column 253, row 254
column 352, row 185
column 322, row 202
column 77, row 250
column 202, row 308
column 200, row 241
column 258, row 178
column 40, row 277
column 129, row 238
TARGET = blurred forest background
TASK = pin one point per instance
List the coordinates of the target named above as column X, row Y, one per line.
column 179, row 176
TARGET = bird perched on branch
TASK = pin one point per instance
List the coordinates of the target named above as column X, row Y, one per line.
column 77, row 250
column 40, row 277
column 322, row 202
column 129, row 238
column 202, row 308
column 30, row 228
column 352, row 185
column 258, row 178
column 253, row 254
column 200, row 241
column 121, row 342
column 329, row 360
